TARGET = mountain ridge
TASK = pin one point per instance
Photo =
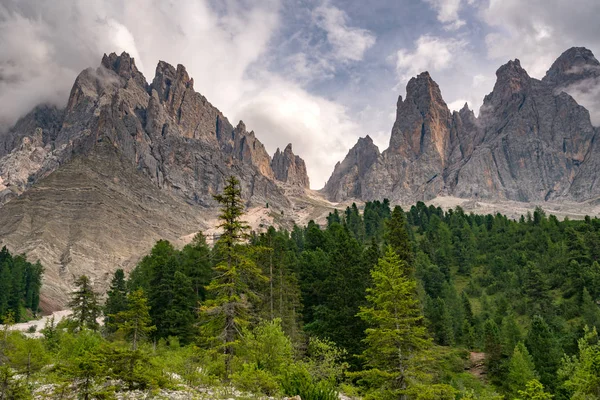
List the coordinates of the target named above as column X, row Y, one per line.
column 531, row 142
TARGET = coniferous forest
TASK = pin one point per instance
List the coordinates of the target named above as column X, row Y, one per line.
column 381, row 303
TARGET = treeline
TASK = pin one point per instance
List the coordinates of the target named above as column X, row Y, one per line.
column 20, row 283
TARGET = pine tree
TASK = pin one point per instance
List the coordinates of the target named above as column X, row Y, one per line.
column 493, row 349
column 590, row 311
column 544, row 349
column 581, row 372
column 396, row 235
column 163, row 265
column 134, row 323
column 396, row 334
column 196, row 265
column 116, row 300
column 84, row 304
column 181, row 316
column 521, row 370
column 227, row 312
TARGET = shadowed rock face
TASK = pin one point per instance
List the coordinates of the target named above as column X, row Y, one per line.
column 531, row 142
column 347, row 180
column 290, row 168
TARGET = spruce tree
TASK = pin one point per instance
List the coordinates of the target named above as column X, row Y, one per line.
column 396, row 333
column 544, row 349
column 521, row 370
column 134, row 323
column 84, row 304
column 116, row 300
column 534, row 390
column 227, row 312
column 181, row 316
column 590, row 311
column 396, row 236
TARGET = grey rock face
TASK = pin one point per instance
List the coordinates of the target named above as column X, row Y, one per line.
column 531, row 142
column 290, row 168
column 574, row 65
column 181, row 141
column 347, row 180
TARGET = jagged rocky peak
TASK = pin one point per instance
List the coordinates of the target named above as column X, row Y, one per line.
column 347, row 178
column 575, row 64
column 170, row 82
column 290, row 168
column 124, row 66
column 511, row 79
column 422, row 120
column 246, row 147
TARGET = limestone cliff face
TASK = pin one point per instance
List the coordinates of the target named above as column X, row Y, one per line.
column 531, row 142
column 347, row 180
column 91, row 187
column 290, row 168
column 166, row 129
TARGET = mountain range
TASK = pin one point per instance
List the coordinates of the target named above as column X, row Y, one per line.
column 90, row 187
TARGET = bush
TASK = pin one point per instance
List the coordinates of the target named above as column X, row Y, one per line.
column 298, row 382
column 255, row 380
column 326, row 361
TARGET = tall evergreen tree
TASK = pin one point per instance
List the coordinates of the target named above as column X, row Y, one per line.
column 521, row 370
column 181, row 315
column 84, row 304
column 116, row 300
column 396, row 236
column 396, row 333
column 227, row 311
column 544, row 349
column 134, row 323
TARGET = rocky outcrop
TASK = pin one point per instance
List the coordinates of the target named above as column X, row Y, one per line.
column 574, row 65
column 531, row 142
column 347, row 180
column 290, row 168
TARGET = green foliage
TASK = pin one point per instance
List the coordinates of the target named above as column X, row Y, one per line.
column 116, row 300
column 521, row 370
column 226, row 313
column 12, row 387
column 396, row 334
column 84, row 304
column 581, row 372
column 297, row 381
column 545, row 351
column 534, row 391
column 133, row 323
column 20, row 283
column 325, row 361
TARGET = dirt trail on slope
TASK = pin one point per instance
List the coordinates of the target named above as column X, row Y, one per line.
column 477, row 365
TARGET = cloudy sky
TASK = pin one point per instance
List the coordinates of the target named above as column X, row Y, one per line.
column 317, row 73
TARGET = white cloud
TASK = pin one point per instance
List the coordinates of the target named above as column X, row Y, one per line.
column 431, row 53
column 538, row 31
column 320, row 130
column 349, row 43
column 457, row 105
column 46, row 44
column 447, row 12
